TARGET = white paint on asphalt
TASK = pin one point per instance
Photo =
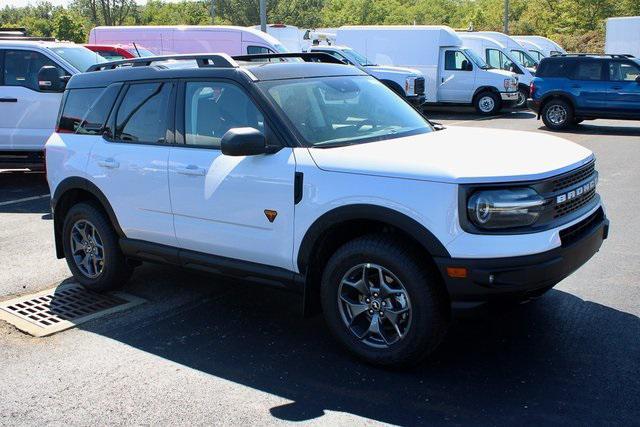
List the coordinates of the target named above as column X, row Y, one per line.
column 26, row 199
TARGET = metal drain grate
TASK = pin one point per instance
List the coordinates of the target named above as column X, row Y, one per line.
column 61, row 308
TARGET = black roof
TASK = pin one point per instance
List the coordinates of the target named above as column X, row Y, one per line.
column 206, row 66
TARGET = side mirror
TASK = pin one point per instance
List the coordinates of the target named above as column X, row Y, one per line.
column 50, row 80
column 243, row 142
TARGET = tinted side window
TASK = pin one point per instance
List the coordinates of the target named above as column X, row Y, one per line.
column 253, row 50
column 21, row 68
column 588, row 70
column 142, row 115
column 623, row 71
column 85, row 110
column 212, row 108
column 455, row 60
column 555, row 68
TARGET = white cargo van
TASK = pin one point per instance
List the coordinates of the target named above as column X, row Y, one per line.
column 168, row 40
column 454, row 74
column 288, row 35
column 519, row 52
column 498, row 56
column 623, row 36
column 538, row 44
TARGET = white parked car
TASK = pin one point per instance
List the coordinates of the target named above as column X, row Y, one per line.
column 406, row 82
column 317, row 178
column 29, row 103
column 499, row 56
column 454, row 74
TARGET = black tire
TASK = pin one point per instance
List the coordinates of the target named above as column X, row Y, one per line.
column 523, row 94
column 557, row 114
column 115, row 271
column 487, row 103
column 429, row 312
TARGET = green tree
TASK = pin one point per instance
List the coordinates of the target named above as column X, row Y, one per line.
column 68, row 25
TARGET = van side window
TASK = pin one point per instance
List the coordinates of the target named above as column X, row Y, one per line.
column 85, row 110
column 21, row 68
column 212, row 108
column 143, row 113
column 253, row 50
column 455, row 60
column 498, row 59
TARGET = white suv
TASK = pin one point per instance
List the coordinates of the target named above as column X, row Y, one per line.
column 28, row 102
column 317, row 178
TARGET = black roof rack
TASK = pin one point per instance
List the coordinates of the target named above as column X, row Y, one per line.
column 305, row 56
column 221, row 60
column 612, row 55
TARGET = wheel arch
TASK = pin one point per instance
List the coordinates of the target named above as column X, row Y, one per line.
column 394, row 86
column 74, row 190
column 557, row 95
column 483, row 89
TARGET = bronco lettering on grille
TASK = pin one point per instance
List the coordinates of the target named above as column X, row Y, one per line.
column 576, row 192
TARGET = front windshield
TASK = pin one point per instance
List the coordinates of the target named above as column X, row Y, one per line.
column 80, row 57
column 477, row 59
column 525, row 59
column 360, row 59
column 280, row 48
column 344, row 110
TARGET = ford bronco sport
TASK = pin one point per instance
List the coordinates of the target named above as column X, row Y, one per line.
column 318, row 178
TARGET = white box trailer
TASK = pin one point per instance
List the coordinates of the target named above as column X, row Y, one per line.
column 288, row 35
column 454, row 75
column 623, row 36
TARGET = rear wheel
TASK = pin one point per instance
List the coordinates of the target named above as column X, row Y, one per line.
column 557, row 114
column 487, row 103
column 91, row 248
column 381, row 303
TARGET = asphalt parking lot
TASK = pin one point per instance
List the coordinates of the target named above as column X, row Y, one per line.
column 209, row 351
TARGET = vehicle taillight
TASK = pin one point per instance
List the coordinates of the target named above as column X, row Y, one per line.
column 532, row 89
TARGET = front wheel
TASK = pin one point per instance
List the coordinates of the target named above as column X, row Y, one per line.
column 522, row 98
column 487, row 103
column 381, row 303
column 557, row 114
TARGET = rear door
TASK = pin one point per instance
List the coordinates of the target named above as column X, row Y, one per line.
column 624, row 87
column 457, row 77
column 27, row 116
column 129, row 162
column 588, row 85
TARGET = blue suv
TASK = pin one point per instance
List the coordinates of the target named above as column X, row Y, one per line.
column 571, row 88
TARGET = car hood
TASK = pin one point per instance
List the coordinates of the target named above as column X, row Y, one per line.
column 458, row 155
column 390, row 69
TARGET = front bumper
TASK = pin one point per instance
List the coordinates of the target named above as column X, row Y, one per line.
column 509, row 98
column 416, row 99
column 493, row 278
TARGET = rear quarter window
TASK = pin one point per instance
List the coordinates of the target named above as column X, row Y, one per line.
column 85, row 111
column 555, row 68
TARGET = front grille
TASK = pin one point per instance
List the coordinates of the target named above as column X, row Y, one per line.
column 419, row 86
column 574, row 177
column 574, row 204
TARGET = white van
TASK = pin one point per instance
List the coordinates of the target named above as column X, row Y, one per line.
column 454, row 74
column 498, row 56
column 29, row 101
column 177, row 39
column 519, row 52
column 623, row 36
column 540, row 45
column 288, row 35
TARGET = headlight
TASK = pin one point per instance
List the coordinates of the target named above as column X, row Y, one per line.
column 495, row 209
column 409, row 85
column 510, row 84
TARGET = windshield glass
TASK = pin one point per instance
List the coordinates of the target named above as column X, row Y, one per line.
column 477, row 59
column 525, row 59
column 280, row 48
column 80, row 57
column 344, row 110
column 142, row 52
column 355, row 56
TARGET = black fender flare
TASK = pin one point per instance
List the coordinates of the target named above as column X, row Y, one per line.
column 78, row 183
column 413, row 228
column 394, row 86
column 557, row 94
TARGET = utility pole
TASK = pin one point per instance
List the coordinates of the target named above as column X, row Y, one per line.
column 263, row 15
column 212, row 11
column 506, row 17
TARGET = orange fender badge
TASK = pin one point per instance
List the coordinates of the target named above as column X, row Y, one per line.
column 271, row 215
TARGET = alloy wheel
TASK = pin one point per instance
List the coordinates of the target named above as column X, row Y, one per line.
column 557, row 114
column 374, row 305
column 87, row 248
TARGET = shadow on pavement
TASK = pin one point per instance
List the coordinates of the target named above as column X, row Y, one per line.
column 559, row 359
column 592, row 128
column 471, row 115
column 16, row 185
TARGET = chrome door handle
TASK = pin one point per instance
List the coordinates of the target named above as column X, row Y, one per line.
column 192, row 170
column 108, row 163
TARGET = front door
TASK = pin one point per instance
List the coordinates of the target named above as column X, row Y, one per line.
column 624, row 87
column 457, row 77
column 588, row 85
column 27, row 116
column 238, row 207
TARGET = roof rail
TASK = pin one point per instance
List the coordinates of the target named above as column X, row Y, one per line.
column 221, row 60
column 612, row 55
column 305, row 56
column 22, row 30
